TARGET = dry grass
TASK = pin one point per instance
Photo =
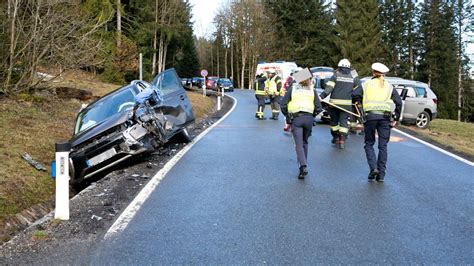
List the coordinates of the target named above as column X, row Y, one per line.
column 457, row 135
column 201, row 104
column 34, row 127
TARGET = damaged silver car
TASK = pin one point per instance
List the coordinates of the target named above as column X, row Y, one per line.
column 134, row 119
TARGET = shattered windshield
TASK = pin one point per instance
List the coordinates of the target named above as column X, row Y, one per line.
column 104, row 108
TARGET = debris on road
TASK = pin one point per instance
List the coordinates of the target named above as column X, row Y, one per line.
column 39, row 166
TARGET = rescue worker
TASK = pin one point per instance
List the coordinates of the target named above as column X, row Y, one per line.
column 260, row 95
column 376, row 96
column 300, row 105
column 273, row 86
column 340, row 87
column 288, row 84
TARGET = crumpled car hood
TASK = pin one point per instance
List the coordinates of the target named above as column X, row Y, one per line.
column 96, row 130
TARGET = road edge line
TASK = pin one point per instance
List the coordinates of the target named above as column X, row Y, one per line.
column 459, row 158
column 127, row 215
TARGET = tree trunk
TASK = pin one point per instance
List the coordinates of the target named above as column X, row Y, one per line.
column 217, row 57
column 232, row 60
column 119, row 24
column 12, row 44
column 460, row 53
column 225, row 62
column 155, row 40
column 165, row 52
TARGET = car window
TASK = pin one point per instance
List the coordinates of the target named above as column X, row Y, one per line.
column 420, row 92
column 167, row 82
column 105, row 108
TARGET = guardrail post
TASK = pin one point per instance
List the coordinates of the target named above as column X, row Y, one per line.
column 62, row 181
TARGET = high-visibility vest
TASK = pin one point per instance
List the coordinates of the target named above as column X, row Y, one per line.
column 259, row 91
column 302, row 100
column 377, row 97
column 272, row 85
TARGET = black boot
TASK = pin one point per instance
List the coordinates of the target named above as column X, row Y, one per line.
column 335, row 137
column 380, row 177
column 373, row 174
column 342, row 141
column 303, row 172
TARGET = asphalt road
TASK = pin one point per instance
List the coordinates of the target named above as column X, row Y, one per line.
column 234, row 198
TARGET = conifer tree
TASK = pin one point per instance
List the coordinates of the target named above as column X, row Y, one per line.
column 302, row 30
column 438, row 63
column 358, row 36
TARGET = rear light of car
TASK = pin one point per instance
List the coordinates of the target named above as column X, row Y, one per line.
column 435, row 101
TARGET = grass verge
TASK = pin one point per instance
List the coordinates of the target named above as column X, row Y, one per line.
column 457, row 136
column 34, row 126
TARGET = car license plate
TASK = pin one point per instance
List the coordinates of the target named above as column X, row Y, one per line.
column 102, row 157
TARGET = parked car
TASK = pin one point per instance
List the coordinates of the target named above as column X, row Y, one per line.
column 226, row 84
column 197, row 82
column 211, row 83
column 420, row 104
column 321, row 75
column 108, row 132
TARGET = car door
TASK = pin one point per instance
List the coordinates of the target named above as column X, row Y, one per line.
column 413, row 105
column 176, row 105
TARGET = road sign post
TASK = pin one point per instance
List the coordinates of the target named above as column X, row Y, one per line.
column 204, row 75
column 62, row 181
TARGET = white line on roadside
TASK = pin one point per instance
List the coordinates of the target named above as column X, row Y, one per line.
column 127, row 215
column 436, row 148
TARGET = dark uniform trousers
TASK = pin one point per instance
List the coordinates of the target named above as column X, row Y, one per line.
column 302, row 127
column 338, row 118
column 260, row 102
column 275, row 104
column 382, row 127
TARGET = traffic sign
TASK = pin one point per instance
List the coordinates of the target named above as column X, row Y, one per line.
column 204, row 73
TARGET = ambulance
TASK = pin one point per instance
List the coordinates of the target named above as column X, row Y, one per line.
column 282, row 68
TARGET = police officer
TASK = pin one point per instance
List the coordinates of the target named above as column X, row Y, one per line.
column 273, row 86
column 260, row 94
column 340, row 87
column 377, row 96
column 300, row 105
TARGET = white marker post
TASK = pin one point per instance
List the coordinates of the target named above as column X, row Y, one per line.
column 204, row 90
column 218, row 102
column 62, row 181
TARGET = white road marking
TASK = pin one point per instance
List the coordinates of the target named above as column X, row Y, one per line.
column 127, row 215
column 436, row 148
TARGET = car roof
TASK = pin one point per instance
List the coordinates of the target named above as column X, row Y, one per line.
column 400, row 81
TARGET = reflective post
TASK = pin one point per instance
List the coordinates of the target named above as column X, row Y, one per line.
column 204, row 90
column 62, row 181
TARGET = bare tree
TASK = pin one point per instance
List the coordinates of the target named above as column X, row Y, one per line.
column 46, row 33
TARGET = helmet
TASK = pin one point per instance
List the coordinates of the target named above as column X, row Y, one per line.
column 344, row 63
column 379, row 67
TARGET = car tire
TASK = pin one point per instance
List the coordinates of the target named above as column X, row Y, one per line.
column 423, row 120
column 183, row 136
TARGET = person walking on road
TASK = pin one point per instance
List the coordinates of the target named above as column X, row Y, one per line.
column 273, row 87
column 376, row 96
column 260, row 95
column 300, row 105
column 340, row 88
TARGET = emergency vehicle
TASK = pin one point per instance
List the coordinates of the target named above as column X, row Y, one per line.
column 282, row 68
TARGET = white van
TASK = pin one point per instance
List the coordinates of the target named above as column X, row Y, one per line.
column 282, row 68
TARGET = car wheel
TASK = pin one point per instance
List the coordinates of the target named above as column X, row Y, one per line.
column 183, row 136
column 422, row 120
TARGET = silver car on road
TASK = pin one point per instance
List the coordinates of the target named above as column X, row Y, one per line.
column 420, row 104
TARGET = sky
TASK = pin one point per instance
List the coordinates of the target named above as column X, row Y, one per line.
column 203, row 14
